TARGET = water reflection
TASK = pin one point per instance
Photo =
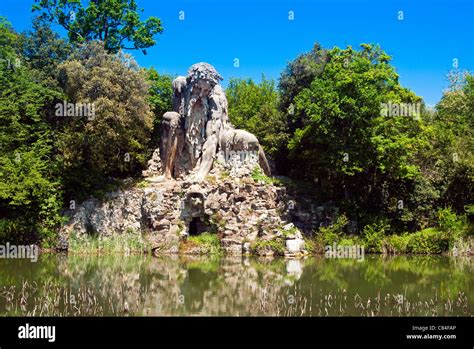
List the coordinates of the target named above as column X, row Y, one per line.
column 143, row 285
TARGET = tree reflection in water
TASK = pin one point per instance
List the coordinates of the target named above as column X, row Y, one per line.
column 173, row 285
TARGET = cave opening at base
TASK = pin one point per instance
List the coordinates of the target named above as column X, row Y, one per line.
column 198, row 226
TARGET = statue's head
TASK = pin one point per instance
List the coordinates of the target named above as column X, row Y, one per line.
column 204, row 76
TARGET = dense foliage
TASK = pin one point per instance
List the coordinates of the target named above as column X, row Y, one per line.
column 53, row 157
column 30, row 197
column 112, row 141
column 381, row 165
column 161, row 92
column 254, row 107
column 329, row 125
column 116, row 23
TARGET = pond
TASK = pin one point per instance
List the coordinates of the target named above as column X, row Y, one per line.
column 137, row 285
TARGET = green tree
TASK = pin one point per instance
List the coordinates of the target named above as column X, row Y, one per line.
column 298, row 75
column 30, row 189
column 359, row 157
column 254, row 107
column 161, row 93
column 113, row 141
column 453, row 143
column 116, row 23
column 44, row 49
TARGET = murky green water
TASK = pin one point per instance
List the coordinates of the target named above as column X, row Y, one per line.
column 143, row 285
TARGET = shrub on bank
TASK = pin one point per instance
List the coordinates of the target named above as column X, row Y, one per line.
column 449, row 232
column 428, row 241
column 373, row 236
column 332, row 233
column 205, row 243
column 266, row 247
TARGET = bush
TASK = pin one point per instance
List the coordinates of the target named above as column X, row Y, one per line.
column 263, row 247
column 396, row 243
column 258, row 176
column 450, row 223
column 310, row 245
column 373, row 236
column 348, row 242
column 332, row 233
column 428, row 241
column 208, row 243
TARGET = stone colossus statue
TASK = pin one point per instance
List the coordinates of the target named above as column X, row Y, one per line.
column 199, row 126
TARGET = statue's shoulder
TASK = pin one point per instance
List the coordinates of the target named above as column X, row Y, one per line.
column 179, row 84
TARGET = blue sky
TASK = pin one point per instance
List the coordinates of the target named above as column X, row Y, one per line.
column 259, row 33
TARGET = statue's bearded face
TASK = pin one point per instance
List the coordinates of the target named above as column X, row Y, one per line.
column 203, row 77
column 204, row 86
